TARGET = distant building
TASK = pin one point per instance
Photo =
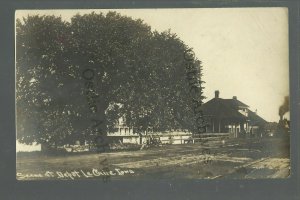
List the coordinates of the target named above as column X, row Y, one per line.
column 129, row 135
column 231, row 116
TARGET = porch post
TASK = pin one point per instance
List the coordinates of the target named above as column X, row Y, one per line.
column 235, row 134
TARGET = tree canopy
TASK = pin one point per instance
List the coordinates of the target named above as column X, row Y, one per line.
column 99, row 67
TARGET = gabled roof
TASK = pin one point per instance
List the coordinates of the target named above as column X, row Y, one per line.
column 222, row 109
column 235, row 103
column 255, row 119
column 227, row 109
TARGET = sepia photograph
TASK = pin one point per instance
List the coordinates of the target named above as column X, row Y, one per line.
column 145, row 94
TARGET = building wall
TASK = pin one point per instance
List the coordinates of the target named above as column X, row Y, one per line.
column 131, row 140
column 122, row 130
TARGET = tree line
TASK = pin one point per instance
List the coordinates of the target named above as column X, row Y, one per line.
column 98, row 68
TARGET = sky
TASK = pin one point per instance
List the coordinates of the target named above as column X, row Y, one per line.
column 244, row 51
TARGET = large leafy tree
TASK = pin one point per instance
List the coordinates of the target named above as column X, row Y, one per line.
column 98, row 68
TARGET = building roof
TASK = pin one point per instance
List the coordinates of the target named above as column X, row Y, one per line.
column 235, row 103
column 228, row 110
column 222, row 109
column 255, row 120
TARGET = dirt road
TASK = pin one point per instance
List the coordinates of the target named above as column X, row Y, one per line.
column 231, row 158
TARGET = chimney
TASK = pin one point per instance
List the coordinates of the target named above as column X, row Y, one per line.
column 217, row 93
column 234, row 97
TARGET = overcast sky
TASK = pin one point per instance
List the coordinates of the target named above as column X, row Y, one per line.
column 244, row 51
